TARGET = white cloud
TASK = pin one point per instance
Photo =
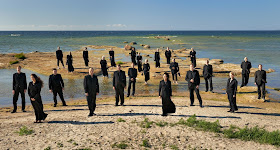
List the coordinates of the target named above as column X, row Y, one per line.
column 116, row 25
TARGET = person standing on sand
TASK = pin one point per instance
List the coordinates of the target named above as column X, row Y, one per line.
column 231, row 92
column 119, row 84
column 85, row 56
column 112, row 57
column 104, row 67
column 132, row 74
column 193, row 79
column 34, row 90
column 139, row 62
column 174, row 66
column 91, row 87
column 193, row 57
column 146, row 68
column 168, row 55
column 260, row 80
column 19, row 86
column 157, row 58
column 165, row 93
column 246, row 66
column 59, row 57
column 56, row 86
column 133, row 55
column 70, row 63
column 208, row 74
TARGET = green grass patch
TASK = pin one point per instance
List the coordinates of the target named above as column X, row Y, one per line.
column 75, row 144
column 146, row 123
column 13, row 62
column 119, row 62
column 161, row 123
column 25, row 131
column 256, row 134
column 174, row 147
column 47, row 148
column 120, row 120
column 121, row 145
column 20, row 56
column 145, row 143
column 59, row 145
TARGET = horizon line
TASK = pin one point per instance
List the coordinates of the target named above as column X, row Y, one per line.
column 136, row 30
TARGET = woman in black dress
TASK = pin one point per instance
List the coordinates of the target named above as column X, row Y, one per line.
column 112, row 57
column 34, row 90
column 157, row 58
column 165, row 93
column 139, row 62
column 193, row 57
column 70, row 63
column 231, row 92
column 103, row 64
column 146, row 68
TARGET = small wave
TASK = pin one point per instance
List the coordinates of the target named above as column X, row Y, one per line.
column 15, row 35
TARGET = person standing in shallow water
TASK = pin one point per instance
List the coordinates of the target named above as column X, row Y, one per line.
column 119, row 84
column 246, row 66
column 260, row 80
column 231, row 92
column 132, row 74
column 103, row 64
column 208, row 74
column 112, row 57
column 56, row 86
column 193, row 79
column 133, row 55
column 34, row 92
column 85, row 56
column 146, row 68
column 19, row 86
column 174, row 66
column 193, row 57
column 59, row 57
column 157, row 58
column 139, row 62
column 91, row 87
column 168, row 55
column 165, row 93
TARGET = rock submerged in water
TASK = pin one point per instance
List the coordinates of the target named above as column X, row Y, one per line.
column 133, row 43
column 127, row 47
column 125, row 42
column 147, row 46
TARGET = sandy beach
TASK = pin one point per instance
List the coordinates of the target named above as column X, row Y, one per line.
column 70, row 128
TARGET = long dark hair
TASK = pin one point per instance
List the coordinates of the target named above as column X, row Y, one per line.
column 38, row 79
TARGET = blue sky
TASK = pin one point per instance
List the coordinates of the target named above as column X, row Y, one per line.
column 139, row 15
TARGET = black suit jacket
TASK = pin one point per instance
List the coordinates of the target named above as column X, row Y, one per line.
column 85, row 54
column 55, row 82
column 260, row 77
column 59, row 54
column 168, row 54
column 119, row 79
column 174, row 66
column 207, row 71
column 19, row 81
column 232, row 86
column 193, row 75
column 157, row 56
column 246, row 66
column 132, row 73
column 165, row 90
column 133, row 53
column 193, row 54
column 91, row 85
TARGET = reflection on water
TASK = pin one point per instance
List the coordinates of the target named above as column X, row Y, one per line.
column 74, row 87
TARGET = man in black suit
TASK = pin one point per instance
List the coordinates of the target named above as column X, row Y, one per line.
column 85, row 56
column 207, row 74
column 19, row 86
column 119, row 84
column 91, row 87
column 133, row 55
column 193, row 83
column 260, row 80
column 56, row 86
column 59, row 57
column 174, row 70
column 246, row 66
column 157, row 58
column 168, row 55
column 132, row 74
column 231, row 92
